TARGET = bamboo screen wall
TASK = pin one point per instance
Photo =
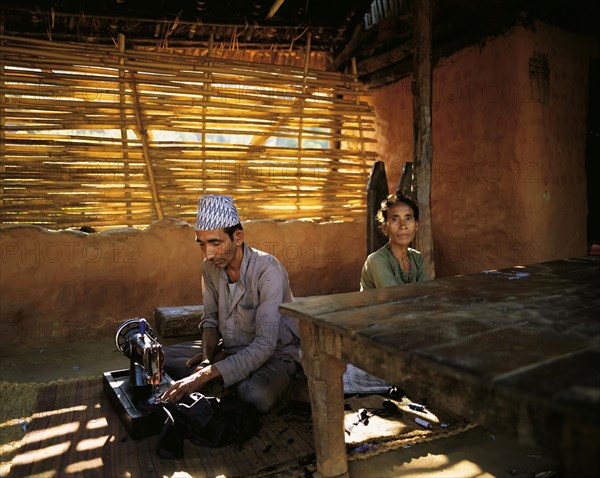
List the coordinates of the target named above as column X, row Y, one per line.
column 104, row 137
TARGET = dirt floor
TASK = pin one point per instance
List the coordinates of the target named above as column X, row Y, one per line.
column 474, row 453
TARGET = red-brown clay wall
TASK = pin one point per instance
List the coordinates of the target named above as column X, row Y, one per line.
column 63, row 285
column 508, row 177
column 508, row 188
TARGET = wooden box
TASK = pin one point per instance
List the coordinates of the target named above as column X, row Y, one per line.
column 133, row 412
column 178, row 321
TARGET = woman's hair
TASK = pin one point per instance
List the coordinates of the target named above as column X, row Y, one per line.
column 391, row 200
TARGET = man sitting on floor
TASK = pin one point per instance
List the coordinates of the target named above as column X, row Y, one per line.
column 242, row 289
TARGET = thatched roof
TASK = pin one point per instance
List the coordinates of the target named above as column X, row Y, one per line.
column 184, row 23
column 376, row 33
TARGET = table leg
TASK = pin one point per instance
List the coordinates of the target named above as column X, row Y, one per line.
column 324, row 373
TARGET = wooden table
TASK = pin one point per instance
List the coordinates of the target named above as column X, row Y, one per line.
column 517, row 350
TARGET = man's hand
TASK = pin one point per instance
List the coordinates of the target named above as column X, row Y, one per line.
column 195, row 360
column 193, row 383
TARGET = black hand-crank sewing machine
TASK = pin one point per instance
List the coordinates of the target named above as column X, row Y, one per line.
column 133, row 391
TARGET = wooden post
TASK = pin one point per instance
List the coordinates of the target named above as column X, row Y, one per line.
column 324, row 375
column 406, row 183
column 422, row 144
column 144, row 137
column 377, row 191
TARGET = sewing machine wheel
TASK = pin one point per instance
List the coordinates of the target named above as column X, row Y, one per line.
column 125, row 330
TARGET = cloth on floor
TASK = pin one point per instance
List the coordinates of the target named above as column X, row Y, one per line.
column 378, row 423
column 356, row 380
column 205, row 421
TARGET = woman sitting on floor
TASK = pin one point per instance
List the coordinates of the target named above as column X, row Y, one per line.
column 395, row 263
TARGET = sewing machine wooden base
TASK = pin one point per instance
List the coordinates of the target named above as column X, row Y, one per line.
column 133, row 409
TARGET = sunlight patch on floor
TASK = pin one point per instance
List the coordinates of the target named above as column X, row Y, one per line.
column 427, row 466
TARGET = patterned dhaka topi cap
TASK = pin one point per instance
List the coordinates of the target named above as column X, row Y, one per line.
column 216, row 212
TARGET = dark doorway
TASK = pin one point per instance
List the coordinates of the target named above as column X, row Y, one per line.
column 592, row 159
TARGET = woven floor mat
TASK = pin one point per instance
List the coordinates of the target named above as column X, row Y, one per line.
column 75, row 432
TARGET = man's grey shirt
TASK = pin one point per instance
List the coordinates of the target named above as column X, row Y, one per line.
column 249, row 322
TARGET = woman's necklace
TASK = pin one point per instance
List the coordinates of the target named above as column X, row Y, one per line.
column 403, row 262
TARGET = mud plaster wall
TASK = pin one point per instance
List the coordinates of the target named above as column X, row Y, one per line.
column 67, row 285
column 508, row 177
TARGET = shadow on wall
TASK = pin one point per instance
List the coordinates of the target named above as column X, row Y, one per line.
column 56, row 284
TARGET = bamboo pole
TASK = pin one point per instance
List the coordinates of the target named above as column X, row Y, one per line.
column 274, row 91
column 359, row 117
column 2, row 114
column 165, row 69
column 254, row 52
column 150, row 61
column 123, row 124
column 205, row 87
column 302, row 104
column 274, row 8
column 144, row 138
